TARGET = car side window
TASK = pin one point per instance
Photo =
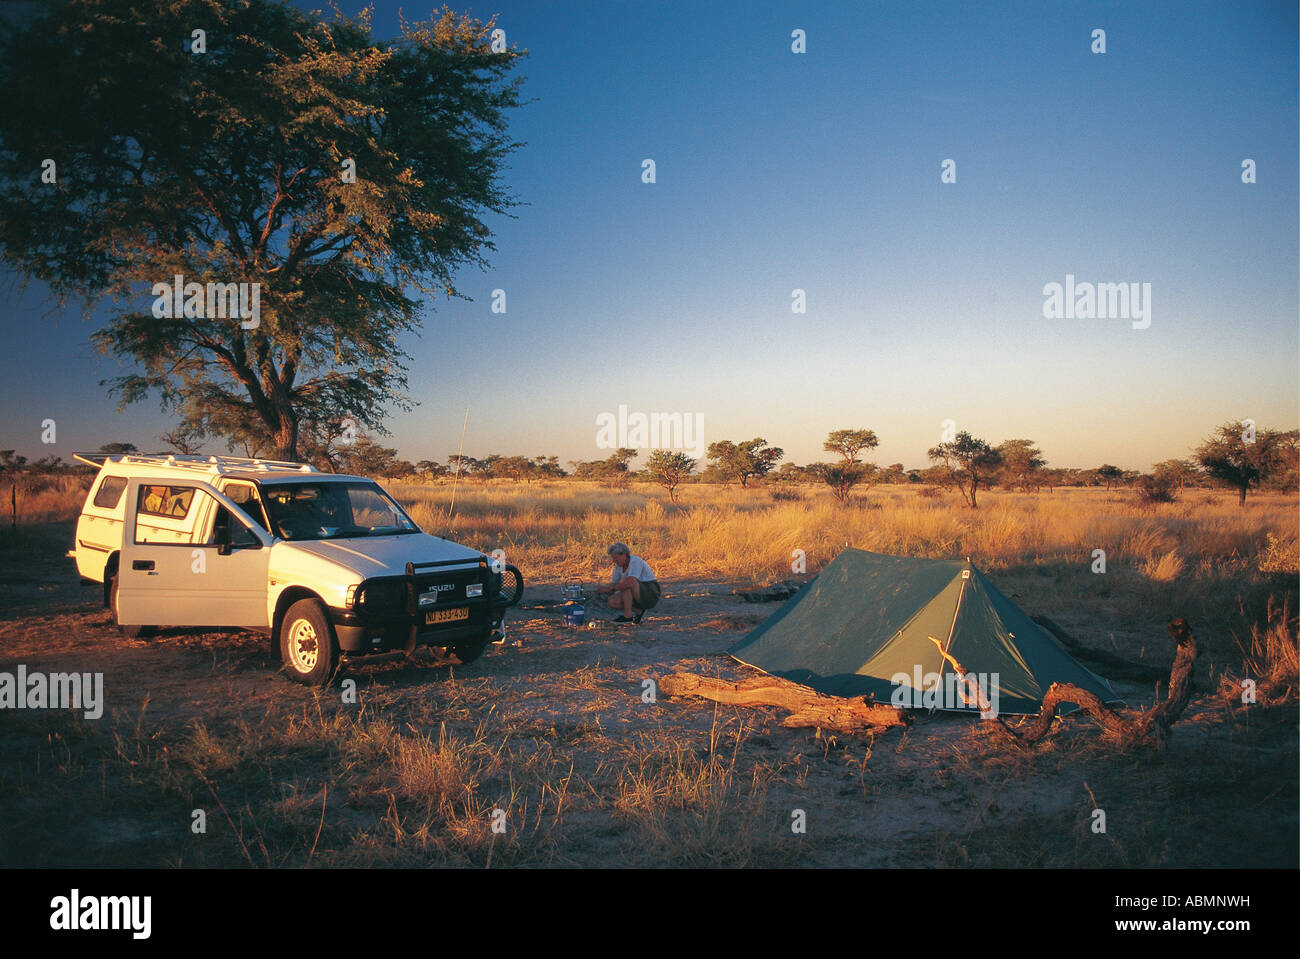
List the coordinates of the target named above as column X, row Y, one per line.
column 245, row 495
column 109, row 492
column 170, row 501
column 240, row 535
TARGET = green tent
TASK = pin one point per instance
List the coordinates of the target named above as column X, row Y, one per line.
column 881, row 625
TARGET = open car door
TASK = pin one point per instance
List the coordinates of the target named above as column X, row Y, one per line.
column 218, row 578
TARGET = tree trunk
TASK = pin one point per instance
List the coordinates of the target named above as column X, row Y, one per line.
column 1242, row 500
column 841, row 714
column 286, row 436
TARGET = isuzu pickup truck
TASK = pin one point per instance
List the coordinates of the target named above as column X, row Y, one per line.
column 329, row 566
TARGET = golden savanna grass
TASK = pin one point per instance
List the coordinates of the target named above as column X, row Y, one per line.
column 559, row 529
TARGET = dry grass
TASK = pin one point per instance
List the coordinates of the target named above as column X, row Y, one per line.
column 561, row 529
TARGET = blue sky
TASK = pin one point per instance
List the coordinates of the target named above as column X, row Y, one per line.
column 820, row 171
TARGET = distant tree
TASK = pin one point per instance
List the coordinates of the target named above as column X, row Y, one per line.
column 843, row 476
column 1022, row 463
column 515, row 467
column 460, row 465
column 548, row 466
column 893, row 473
column 668, row 469
column 613, row 469
column 118, row 449
column 1052, row 478
column 1109, row 474
column 849, row 443
column 365, row 457
column 971, row 461
column 938, row 475
column 741, row 461
column 1232, row 456
column 430, row 468
column 1177, row 473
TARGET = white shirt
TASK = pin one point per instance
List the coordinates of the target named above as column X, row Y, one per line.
column 636, row 567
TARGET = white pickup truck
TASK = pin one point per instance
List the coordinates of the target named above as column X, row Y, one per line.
column 329, row 566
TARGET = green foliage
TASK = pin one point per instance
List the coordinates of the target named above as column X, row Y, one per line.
column 1153, row 488
column 228, row 166
column 842, row 477
column 668, row 469
column 742, row 461
column 1227, row 456
column 848, row 443
column 1022, row 463
column 969, row 462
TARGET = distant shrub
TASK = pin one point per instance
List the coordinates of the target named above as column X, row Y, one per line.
column 929, row 492
column 1155, row 489
column 787, row 494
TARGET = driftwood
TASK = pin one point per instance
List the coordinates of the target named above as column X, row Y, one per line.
column 1115, row 667
column 1153, row 723
column 840, row 714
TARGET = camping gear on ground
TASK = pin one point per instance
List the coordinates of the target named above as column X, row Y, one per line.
column 907, row 631
column 574, row 614
column 572, row 592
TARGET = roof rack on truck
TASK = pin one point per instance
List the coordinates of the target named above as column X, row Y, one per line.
column 198, row 462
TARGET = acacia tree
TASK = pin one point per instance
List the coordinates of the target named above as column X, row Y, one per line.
column 342, row 174
column 1022, row 463
column 752, row 458
column 841, row 477
column 1109, row 474
column 969, row 461
column 849, row 443
column 1244, row 457
column 668, row 469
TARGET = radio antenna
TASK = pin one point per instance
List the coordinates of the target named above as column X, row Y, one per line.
column 459, row 459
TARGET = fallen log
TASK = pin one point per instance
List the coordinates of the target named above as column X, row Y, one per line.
column 842, row 714
column 1131, row 729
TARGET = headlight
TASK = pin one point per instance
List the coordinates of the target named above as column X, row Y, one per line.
column 473, row 589
column 383, row 595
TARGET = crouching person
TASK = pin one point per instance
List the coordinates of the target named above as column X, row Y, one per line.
column 633, row 588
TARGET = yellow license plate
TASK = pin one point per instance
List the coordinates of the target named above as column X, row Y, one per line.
column 446, row 615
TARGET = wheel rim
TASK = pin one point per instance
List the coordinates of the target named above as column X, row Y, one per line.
column 304, row 646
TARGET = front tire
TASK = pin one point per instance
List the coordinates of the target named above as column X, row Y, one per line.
column 130, row 632
column 309, row 648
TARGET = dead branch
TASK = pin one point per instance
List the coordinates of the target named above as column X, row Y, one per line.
column 1152, row 724
column 842, row 714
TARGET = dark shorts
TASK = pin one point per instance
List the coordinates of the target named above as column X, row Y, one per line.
column 651, row 593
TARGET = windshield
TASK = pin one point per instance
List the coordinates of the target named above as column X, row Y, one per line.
column 334, row 511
